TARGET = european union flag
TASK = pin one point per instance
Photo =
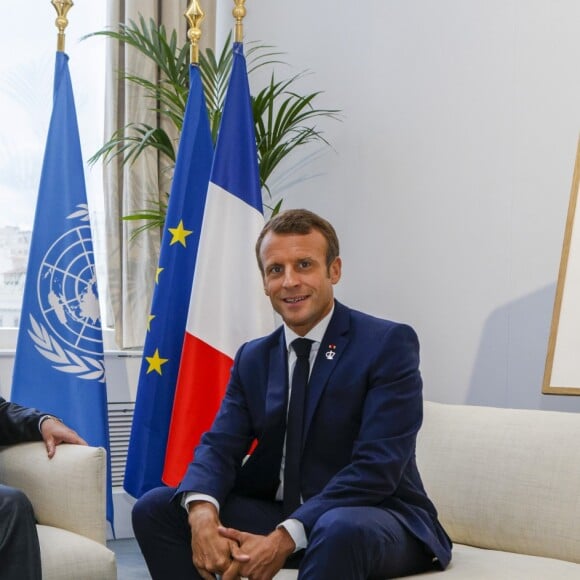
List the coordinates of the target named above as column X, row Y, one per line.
column 166, row 328
column 59, row 366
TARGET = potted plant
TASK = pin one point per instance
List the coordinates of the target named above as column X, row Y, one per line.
column 284, row 119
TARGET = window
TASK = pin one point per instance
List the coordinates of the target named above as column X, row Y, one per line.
column 26, row 78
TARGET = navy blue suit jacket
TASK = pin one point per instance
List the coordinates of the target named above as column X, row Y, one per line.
column 363, row 412
column 18, row 424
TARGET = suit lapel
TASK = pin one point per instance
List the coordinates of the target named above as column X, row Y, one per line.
column 277, row 388
column 334, row 341
column 261, row 472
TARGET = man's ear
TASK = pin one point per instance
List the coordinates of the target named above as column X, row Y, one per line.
column 335, row 270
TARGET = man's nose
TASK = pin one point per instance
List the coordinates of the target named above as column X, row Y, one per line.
column 290, row 278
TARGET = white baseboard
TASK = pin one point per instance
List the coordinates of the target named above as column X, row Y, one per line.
column 122, row 504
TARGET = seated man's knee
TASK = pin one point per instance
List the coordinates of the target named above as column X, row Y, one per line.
column 155, row 511
column 148, row 505
column 339, row 527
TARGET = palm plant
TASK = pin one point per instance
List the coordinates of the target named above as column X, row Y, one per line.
column 284, row 119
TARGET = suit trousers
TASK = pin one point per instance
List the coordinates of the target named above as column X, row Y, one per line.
column 350, row 543
column 19, row 547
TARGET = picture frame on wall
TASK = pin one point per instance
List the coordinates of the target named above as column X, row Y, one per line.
column 562, row 370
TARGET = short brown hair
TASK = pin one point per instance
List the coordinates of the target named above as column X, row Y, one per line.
column 301, row 222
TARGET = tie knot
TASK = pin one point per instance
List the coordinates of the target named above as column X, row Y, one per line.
column 302, row 347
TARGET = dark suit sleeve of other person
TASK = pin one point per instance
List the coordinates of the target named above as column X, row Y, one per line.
column 18, row 424
column 19, row 548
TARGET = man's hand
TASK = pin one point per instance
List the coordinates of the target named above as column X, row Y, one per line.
column 54, row 432
column 212, row 553
column 259, row 557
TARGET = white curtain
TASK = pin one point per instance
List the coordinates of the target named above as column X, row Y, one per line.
column 132, row 263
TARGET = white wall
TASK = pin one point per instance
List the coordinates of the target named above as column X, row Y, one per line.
column 451, row 174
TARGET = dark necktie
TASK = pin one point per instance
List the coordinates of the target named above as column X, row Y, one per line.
column 295, row 425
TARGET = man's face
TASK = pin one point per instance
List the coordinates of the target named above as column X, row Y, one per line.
column 296, row 278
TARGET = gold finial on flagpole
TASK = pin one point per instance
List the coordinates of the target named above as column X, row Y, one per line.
column 239, row 12
column 194, row 15
column 62, row 7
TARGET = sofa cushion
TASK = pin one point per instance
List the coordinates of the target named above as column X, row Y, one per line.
column 504, row 479
column 477, row 564
column 69, row 556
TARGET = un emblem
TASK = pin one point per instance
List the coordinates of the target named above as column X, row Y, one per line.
column 66, row 289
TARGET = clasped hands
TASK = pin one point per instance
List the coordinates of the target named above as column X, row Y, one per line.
column 231, row 553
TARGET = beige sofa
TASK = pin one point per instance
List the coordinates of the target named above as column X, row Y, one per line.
column 68, row 496
column 507, row 486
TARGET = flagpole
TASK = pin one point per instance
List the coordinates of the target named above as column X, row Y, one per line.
column 239, row 12
column 62, row 7
column 194, row 15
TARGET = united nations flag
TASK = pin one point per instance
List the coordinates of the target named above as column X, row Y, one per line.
column 59, row 366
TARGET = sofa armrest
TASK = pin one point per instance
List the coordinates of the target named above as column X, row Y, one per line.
column 67, row 491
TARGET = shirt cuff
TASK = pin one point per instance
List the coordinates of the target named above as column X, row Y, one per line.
column 44, row 418
column 190, row 496
column 296, row 530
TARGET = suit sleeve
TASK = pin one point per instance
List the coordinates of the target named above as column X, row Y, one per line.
column 18, row 424
column 392, row 415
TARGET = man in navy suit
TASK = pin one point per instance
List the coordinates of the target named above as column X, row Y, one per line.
column 361, row 510
column 19, row 548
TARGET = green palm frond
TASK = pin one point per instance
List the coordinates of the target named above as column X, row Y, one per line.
column 151, row 40
column 172, row 61
column 154, row 217
column 215, row 73
column 131, row 140
column 283, row 122
column 284, row 119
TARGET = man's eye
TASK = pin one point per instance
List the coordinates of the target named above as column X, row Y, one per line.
column 275, row 270
column 305, row 264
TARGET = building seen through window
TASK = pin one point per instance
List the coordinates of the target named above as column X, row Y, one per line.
column 14, row 244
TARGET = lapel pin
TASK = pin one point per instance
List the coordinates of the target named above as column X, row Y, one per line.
column 330, row 354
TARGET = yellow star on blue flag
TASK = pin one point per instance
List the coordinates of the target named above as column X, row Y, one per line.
column 155, row 362
column 179, row 234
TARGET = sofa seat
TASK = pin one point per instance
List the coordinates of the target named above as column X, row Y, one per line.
column 477, row 564
column 69, row 556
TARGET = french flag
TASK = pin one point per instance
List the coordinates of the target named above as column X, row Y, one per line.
column 228, row 305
